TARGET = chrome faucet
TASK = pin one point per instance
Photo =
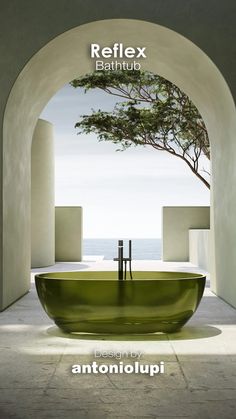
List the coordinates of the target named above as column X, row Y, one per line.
column 121, row 260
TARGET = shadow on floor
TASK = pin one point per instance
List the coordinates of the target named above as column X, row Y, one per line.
column 187, row 333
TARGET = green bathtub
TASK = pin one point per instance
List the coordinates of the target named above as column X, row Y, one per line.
column 96, row 302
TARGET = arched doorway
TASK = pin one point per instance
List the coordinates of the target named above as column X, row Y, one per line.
column 65, row 57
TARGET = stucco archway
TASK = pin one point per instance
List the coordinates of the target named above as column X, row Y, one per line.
column 65, row 57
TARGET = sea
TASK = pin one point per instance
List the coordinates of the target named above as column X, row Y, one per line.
column 142, row 249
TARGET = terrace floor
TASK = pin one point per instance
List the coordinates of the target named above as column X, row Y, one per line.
column 36, row 358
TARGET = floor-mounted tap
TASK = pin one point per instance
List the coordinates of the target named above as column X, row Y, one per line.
column 121, row 260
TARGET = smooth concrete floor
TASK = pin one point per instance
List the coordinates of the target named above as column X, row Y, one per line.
column 36, row 358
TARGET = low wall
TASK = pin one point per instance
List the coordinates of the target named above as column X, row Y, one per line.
column 69, row 234
column 176, row 223
column 199, row 248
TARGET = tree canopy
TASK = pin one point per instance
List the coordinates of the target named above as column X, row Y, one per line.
column 151, row 111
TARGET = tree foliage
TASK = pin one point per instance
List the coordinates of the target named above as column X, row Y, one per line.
column 151, row 111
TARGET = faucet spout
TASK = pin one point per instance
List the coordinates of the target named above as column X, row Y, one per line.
column 121, row 260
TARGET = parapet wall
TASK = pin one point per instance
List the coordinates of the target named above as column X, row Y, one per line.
column 176, row 223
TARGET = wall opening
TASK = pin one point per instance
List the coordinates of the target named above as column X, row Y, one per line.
column 122, row 193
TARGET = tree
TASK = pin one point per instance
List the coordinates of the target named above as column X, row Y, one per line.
column 153, row 112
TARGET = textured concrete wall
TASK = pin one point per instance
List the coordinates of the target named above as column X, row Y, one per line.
column 69, row 234
column 42, row 196
column 37, row 63
column 199, row 248
column 176, row 223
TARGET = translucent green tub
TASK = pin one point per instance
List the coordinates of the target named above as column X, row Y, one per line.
column 96, row 302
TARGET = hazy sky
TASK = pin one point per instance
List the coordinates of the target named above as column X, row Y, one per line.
column 122, row 193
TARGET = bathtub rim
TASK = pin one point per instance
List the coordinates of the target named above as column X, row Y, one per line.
column 71, row 275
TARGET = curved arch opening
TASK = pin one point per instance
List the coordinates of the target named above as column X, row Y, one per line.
column 168, row 54
column 125, row 191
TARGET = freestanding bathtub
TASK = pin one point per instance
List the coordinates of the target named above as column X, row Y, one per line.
column 96, row 302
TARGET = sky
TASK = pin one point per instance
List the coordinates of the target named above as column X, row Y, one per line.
column 122, row 193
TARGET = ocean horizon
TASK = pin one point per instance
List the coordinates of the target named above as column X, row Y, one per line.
column 142, row 249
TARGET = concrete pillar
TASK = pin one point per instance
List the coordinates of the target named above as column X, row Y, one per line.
column 42, row 196
column 69, row 234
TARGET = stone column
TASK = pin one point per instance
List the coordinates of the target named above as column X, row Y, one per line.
column 42, row 196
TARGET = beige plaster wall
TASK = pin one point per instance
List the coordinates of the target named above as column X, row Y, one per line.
column 199, row 248
column 42, row 196
column 176, row 223
column 69, row 234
